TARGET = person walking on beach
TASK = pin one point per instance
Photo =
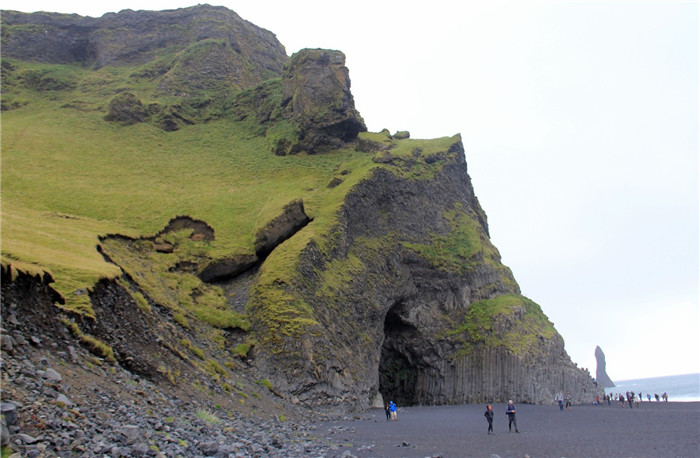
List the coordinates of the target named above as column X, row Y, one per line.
column 567, row 400
column 510, row 411
column 560, row 400
column 489, row 417
column 386, row 411
column 392, row 409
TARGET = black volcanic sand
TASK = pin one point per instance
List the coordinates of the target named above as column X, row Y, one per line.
column 653, row 430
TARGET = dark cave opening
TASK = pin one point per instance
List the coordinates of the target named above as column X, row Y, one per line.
column 397, row 369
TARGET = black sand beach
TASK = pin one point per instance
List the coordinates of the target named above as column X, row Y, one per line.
column 653, row 430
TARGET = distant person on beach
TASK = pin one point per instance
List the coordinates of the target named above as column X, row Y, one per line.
column 560, row 400
column 657, row 397
column 664, row 397
column 387, row 411
column 392, row 409
column 649, row 396
column 567, row 400
column 489, row 417
column 510, row 411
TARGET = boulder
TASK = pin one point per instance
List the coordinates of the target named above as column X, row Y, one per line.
column 222, row 269
column 316, row 94
column 125, row 108
column 52, row 376
column 9, row 413
column 6, row 343
column 132, row 434
column 281, row 228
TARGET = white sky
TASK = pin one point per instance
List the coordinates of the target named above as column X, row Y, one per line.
column 580, row 121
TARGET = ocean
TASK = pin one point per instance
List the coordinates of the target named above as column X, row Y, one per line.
column 679, row 388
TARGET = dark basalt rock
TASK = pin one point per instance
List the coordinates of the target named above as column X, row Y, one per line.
column 316, row 94
column 223, row 269
column 125, row 108
column 281, row 228
column 27, row 301
column 275, row 232
column 238, row 51
column 386, row 328
column 601, row 375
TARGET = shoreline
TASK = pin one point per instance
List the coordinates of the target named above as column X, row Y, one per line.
column 651, row 430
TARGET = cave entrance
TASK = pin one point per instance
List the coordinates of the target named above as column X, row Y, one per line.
column 398, row 372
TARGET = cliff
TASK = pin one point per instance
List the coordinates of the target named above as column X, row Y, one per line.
column 214, row 212
column 428, row 314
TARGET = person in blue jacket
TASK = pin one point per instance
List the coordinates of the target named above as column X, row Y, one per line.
column 392, row 409
column 510, row 411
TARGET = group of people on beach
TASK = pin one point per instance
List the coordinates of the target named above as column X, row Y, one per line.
column 390, row 410
column 510, row 411
column 632, row 398
column 564, row 402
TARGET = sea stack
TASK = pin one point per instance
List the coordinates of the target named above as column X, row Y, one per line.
column 600, row 375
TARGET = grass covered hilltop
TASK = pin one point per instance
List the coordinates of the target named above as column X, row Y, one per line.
column 205, row 205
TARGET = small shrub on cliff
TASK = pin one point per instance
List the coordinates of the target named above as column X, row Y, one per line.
column 242, row 349
column 214, row 368
column 198, row 352
column 141, row 302
column 181, row 319
column 266, row 383
column 94, row 345
column 208, row 417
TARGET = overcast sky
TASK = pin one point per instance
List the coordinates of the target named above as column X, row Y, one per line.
column 580, row 123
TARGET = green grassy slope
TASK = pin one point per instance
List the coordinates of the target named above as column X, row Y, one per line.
column 69, row 176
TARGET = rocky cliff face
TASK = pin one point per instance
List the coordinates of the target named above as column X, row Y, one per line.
column 316, row 92
column 235, row 49
column 385, row 317
column 399, row 293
